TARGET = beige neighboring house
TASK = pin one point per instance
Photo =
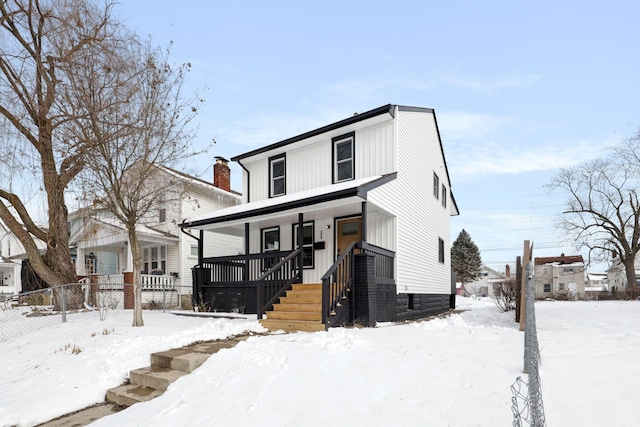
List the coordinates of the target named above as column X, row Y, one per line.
column 99, row 243
column 483, row 287
column 558, row 275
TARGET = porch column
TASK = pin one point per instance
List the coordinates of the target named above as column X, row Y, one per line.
column 247, row 249
column 364, row 221
column 129, row 266
column 300, row 241
column 80, row 267
column 201, row 248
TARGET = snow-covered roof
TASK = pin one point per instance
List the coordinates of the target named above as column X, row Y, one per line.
column 355, row 189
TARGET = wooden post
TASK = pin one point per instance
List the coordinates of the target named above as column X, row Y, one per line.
column 528, row 249
column 518, row 286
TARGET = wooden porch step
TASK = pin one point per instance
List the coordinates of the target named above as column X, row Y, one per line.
column 307, row 287
column 301, row 299
column 309, row 307
column 294, row 315
column 292, row 325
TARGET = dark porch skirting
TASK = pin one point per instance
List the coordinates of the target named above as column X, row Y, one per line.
column 229, row 299
column 376, row 300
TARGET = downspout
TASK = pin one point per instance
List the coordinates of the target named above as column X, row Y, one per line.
column 248, row 181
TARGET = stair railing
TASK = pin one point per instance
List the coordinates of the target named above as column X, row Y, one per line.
column 277, row 280
column 336, row 282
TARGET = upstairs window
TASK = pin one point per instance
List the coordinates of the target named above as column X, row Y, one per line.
column 436, row 186
column 277, row 176
column 162, row 215
column 343, row 158
column 444, row 196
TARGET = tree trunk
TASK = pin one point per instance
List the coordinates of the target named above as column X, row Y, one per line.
column 630, row 269
column 137, row 276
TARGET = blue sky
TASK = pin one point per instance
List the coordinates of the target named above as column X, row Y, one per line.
column 519, row 88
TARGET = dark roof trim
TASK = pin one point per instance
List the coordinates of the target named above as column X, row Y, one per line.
column 360, row 191
column 337, row 125
column 415, row 109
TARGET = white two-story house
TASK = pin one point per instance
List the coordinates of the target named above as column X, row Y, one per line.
column 14, row 266
column 372, row 196
column 100, row 243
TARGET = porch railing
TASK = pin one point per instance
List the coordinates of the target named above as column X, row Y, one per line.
column 384, row 262
column 273, row 283
column 335, row 284
column 150, row 282
column 239, row 269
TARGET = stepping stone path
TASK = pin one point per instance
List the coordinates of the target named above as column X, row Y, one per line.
column 149, row 382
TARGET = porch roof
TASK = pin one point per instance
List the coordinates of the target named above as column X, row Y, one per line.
column 345, row 195
column 114, row 233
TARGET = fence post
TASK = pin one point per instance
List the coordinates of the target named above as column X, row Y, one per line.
column 64, row 306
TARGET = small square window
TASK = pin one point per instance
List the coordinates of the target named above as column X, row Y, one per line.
column 193, row 251
column 271, row 239
column 560, row 287
column 547, row 288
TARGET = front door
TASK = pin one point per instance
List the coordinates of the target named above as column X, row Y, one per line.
column 348, row 230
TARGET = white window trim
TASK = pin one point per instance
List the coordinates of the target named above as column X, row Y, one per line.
column 350, row 159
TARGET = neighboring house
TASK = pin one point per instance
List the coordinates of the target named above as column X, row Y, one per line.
column 374, row 184
column 12, row 258
column 617, row 275
column 483, row 287
column 597, row 284
column 560, row 275
column 100, row 243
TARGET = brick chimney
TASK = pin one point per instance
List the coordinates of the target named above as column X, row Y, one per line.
column 507, row 270
column 222, row 174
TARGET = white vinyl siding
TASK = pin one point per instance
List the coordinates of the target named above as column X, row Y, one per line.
column 420, row 217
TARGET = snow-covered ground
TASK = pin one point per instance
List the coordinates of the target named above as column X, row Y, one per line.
column 453, row 371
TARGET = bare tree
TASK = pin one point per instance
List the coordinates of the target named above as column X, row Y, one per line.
column 603, row 210
column 42, row 45
column 139, row 127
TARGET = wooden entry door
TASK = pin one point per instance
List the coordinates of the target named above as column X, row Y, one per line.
column 348, row 230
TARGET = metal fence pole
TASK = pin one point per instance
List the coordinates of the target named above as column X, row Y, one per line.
column 64, row 305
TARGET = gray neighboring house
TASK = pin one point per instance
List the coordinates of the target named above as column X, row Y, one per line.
column 558, row 275
column 483, row 287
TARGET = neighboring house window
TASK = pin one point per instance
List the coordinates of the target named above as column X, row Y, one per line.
column 547, row 288
column 277, row 176
column 545, row 270
column 90, row 264
column 568, row 270
column 444, row 196
column 436, row 185
column 560, row 287
column 193, row 251
column 343, row 158
column 307, row 243
column 154, row 260
column 162, row 217
column 440, row 250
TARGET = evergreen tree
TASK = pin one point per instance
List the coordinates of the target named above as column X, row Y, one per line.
column 465, row 258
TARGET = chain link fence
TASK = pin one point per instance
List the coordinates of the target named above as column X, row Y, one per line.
column 527, row 405
column 85, row 302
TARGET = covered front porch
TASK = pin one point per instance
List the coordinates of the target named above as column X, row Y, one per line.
column 336, row 224
column 101, row 252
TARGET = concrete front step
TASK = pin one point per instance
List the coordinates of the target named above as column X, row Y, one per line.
column 130, row 394
column 292, row 325
column 156, row 378
column 166, row 367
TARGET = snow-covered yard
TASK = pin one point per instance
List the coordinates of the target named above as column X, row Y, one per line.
column 453, row 371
